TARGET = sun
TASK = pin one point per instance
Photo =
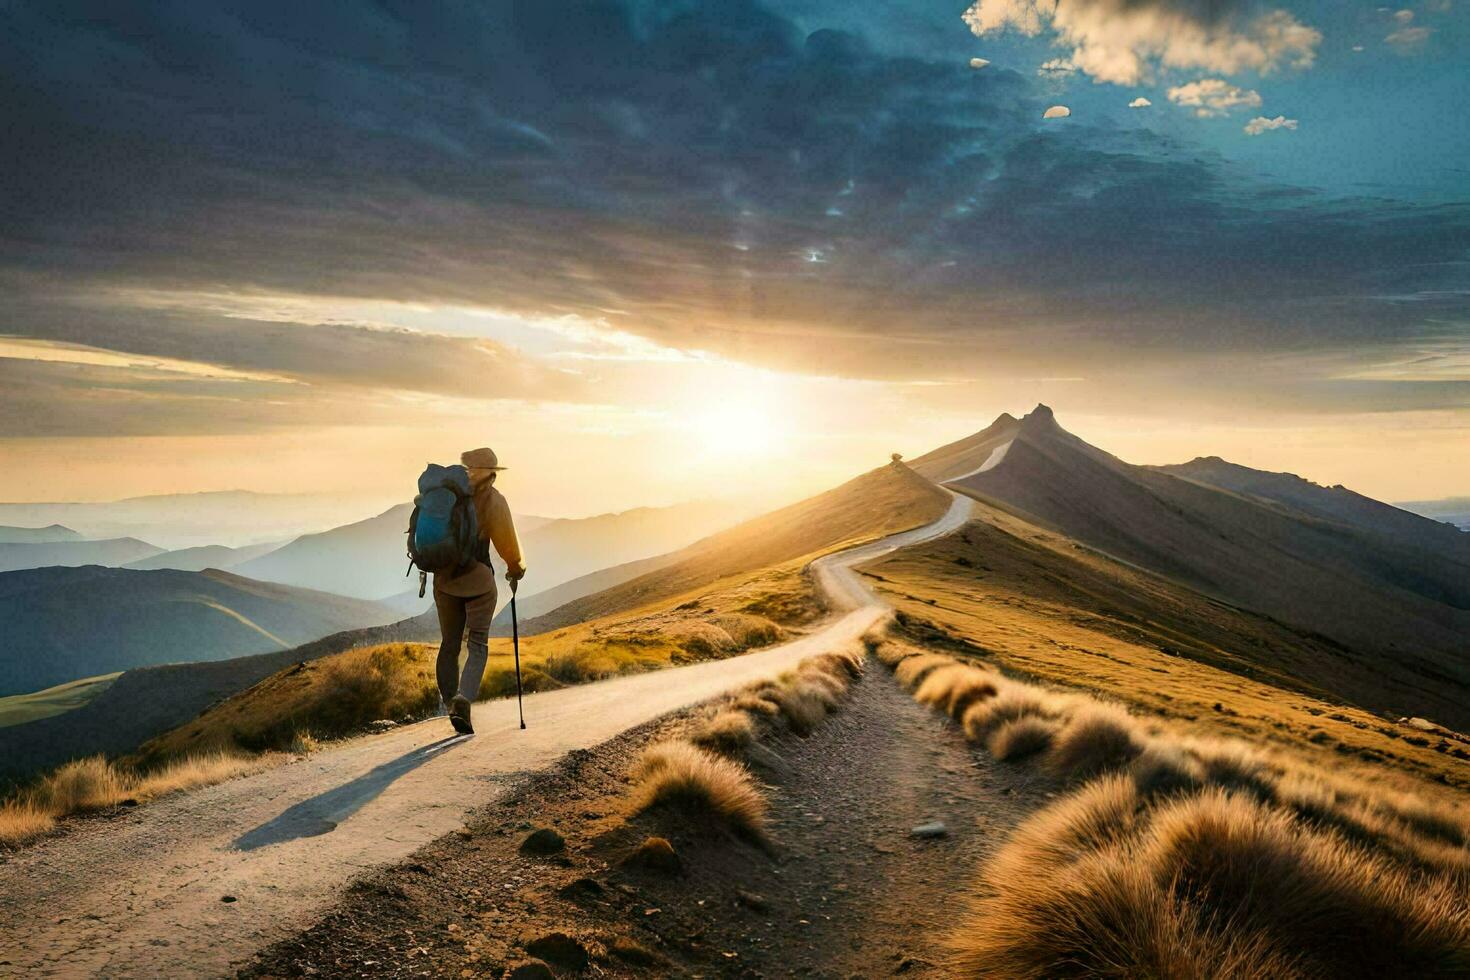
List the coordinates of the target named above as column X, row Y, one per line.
column 737, row 431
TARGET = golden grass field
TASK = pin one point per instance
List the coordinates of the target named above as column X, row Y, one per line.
column 1033, row 603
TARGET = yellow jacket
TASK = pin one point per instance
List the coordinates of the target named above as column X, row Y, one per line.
column 497, row 527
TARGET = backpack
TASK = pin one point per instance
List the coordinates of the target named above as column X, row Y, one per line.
column 443, row 530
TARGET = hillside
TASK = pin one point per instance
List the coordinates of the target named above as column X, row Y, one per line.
column 530, row 606
column 145, row 701
column 64, row 623
column 207, row 556
column 71, row 554
column 1406, row 603
column 883, row 501
column 1337, row 503
column 37, row 535
column 367, row 559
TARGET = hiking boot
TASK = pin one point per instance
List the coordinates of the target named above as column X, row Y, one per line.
column 459, row 715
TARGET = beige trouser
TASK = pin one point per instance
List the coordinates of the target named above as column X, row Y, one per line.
column 456, row 614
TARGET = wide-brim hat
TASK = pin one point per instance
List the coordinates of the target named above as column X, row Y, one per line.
column 480, row 459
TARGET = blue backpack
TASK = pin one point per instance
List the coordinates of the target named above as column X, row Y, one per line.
column 443, row 530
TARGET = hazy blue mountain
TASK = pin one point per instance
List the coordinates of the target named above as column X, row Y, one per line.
column 111, row 552
column 1336, row 503
column 208, row 556
column 63, row 623
column 37, row 535
column 1450, row 510
column 188, row 520
column 368, row 559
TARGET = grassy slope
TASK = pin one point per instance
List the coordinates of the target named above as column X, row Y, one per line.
column 883, row 501
column 21, row 708
column 1033, row 602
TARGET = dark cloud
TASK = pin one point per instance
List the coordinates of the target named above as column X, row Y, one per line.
column 706, row 174
column 323, row 354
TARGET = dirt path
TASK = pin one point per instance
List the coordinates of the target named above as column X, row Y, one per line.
column 193, row 885
column 844, row 890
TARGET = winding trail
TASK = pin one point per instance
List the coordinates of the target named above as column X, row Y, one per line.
column 143, row 893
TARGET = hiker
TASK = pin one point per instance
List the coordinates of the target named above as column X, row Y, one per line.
column 466, row 598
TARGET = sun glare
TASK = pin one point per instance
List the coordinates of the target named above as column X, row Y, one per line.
column 737, row 431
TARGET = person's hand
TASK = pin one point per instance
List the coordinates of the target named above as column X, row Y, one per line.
column 514, row 575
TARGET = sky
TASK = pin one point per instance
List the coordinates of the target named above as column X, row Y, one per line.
column 659, row 251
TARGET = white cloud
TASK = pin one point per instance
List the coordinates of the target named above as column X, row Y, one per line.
column 1404, row 16
column 1140, row 103
column 1407, row 38
column 1125, row 41
column 1357, row 47
column 1056, row 112
column 1261, row 124
column 979, row 62
column 1211, row 97
column 1057, row 66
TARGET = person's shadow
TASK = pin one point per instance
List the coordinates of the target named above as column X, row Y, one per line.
column 322, row 813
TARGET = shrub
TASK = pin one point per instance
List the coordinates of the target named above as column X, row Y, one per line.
column 82, row 786
column 1163, row 767
column 501, row 682
column 1314, row 894
column 1096, row 738
column 728, row 731
column 192, row 772
column 912, row 670
column 802, row 707
column 1014, row 701
column 579, row 666
column 1235, row 766
column 1021, row 738
column 700, row 786
column 952, row 689
column 95, row 783
column 24, row 820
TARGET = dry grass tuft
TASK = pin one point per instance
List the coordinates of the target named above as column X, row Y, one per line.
column 954, row 688
column 95, row 783
column 700, row 785
column 24, row 820
column 1014, row 701
column 192, row 772
column 911, row 671
column 1164, row 767
column 729, row 731
column 82, row 786
column 1022, row 738
column 1314, row 894
column 1095, row 739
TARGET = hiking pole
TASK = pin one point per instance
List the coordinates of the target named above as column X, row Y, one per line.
column 515, row 639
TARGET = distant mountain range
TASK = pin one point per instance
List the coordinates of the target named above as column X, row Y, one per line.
column 63, row 623
column 1377, row 579
column 37, row 535
column 73, row 553
column 1451, row 510
column 368, row 559
column 188, row 520
column 206, row 556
